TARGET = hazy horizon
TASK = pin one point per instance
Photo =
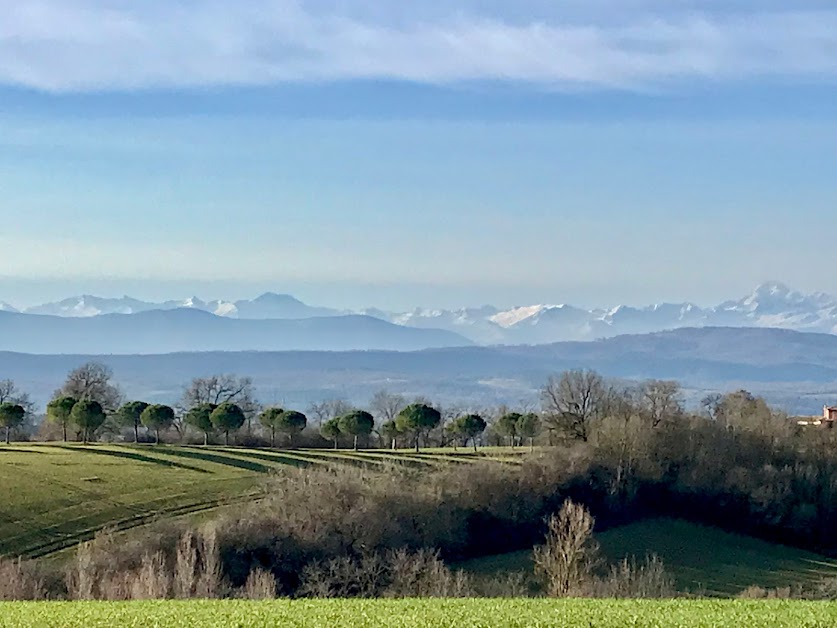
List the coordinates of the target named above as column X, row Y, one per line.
column 398, row 155
column 326, row 295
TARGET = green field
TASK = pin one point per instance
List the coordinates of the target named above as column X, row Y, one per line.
column 701, row 559
column 57, row 495
column 397, row 613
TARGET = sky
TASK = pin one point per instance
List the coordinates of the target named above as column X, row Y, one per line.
column 429, row 153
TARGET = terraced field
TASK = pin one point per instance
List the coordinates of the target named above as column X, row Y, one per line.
column 57, row 495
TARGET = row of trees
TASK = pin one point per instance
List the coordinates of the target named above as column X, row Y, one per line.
column 572, row 404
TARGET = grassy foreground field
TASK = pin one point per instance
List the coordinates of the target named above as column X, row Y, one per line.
column 57, row 495
column 701, row 559
column 403, row 613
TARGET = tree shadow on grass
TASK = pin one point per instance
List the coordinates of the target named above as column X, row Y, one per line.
column 130, row 455
column 13, row 449
column 206, row 456
column 278, row 458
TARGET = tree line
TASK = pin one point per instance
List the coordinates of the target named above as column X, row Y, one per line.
column 90, row 406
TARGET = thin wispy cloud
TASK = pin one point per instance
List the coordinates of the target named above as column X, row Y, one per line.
column 88, row 45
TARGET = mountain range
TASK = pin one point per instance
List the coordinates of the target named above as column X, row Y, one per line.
column 771, row 305
column 797, row 371
column 184, row 329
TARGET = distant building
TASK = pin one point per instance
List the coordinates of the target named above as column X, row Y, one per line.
column 828, row 418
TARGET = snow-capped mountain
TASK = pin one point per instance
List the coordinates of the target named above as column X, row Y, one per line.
column 473, row 323
column 88, row 305
column 267, row 306
column 769, row 305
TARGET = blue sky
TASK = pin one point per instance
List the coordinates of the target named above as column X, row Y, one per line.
column 439, row 154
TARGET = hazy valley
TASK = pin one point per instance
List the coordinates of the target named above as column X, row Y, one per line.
column 797, row 371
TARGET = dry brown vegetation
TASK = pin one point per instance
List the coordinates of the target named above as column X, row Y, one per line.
column 389, row 531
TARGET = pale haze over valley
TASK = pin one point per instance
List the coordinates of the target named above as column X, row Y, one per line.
column 413, row 177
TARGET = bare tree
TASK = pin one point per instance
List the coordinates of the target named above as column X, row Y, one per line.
column 92, row 382
column 216, row 390
column 621, row 439
column 711, row 405
column 623, row 403
column 386, row 406
column 570, row 554
column 449, row 414
column 660, row 401
column 324, row 411
column 573, row 401
column 10, row 393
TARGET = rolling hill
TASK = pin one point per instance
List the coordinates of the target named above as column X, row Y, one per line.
column 184, row 329
column 60, row 494
column 702, row 559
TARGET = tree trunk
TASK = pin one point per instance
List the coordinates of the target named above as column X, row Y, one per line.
column 355, row 442
column 227, row 438
column 474, row 440
column 157, row 436
column 417, row 443
column 531, row 443
column 273, row 438
column 136, row 432
column 84, row 436
column 64, row 429
column 335, row 443
column 394, row 444
column 7, row 434
column 205, row 439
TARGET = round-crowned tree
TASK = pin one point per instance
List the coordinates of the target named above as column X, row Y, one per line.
column 357, row 423
column 87, row 415
column 226, row 418
column 200, row 418
column 157, row 417
column 469, row 427
column 529, row 426
column 506, row 425
column 11, row 416
column 331, row 430
column 59, row 411
column 292, row 423
column 389, row 431
column 270, row 419
column 130, row 415
column 418, row 419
